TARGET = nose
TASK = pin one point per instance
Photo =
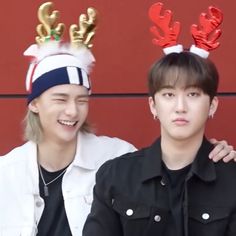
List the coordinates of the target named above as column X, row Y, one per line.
column 71, row 109
column 181, row 104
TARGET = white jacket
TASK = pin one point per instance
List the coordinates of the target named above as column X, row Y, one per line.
column 20, row 204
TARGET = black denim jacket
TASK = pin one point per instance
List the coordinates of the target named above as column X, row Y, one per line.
column 131, row 197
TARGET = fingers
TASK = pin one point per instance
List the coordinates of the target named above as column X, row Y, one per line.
column 230, row 156
column 213, row 141
column 222, row 151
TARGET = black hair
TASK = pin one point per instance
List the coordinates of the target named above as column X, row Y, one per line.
column 184, row 68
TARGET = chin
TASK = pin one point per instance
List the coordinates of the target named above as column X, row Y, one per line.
column 68, row 137
column 181, row 136
column 186, row 136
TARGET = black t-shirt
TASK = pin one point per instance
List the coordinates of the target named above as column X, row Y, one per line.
column 176, row 179
column 54, row 221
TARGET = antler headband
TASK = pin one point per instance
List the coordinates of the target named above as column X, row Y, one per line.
column 48, row 29
column 51, row 55
column 86, row 30
column 205, row 35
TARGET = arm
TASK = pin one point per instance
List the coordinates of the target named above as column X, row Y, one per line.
column 102, row 220
column 222, row 151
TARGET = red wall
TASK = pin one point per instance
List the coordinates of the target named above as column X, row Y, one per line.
column 124, row 53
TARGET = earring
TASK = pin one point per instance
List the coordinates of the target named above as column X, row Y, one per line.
column 155, row 117
column 211, row 115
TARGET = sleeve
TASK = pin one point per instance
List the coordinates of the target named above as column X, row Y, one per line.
column 103, row 220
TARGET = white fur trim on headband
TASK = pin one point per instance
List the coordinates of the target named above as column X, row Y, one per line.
column 176, row 48
column 199, row 51
column 83, row 54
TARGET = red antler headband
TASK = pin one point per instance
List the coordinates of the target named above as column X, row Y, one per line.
column 205, row 35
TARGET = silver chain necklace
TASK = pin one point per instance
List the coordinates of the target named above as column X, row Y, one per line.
column 45, row 187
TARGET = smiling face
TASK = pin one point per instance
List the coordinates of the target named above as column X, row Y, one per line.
column 62, row 110
column 182, row 112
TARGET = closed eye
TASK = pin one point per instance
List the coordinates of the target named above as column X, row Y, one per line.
column 59, row 99
column 83, row 100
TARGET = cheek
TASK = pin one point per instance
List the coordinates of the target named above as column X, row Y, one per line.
column 47, row 113
column 83, row 109
column 45, row 107
column 205, row 108
column 163, row 109
column 202, row 112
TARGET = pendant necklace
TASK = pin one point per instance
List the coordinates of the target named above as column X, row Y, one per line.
column 45, row 187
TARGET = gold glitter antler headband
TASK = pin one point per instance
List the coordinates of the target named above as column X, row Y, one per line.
column 50, row 47
column 85, row 30
column 48, row 29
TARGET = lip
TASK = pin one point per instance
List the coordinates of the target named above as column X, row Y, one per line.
column 67, row 123
column 180, row 121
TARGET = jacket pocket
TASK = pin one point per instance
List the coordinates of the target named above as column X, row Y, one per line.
column 207, row 220
column 140, row 219
column 78, row 208
column 131, row 210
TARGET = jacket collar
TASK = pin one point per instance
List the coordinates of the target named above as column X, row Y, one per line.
column 202, row 166
column 86, row 157
column 31, row 161
column 89, row 151
column 152, row 161
column 87, row 154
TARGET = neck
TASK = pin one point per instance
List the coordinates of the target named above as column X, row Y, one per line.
column 177, row 154
column 53, row 156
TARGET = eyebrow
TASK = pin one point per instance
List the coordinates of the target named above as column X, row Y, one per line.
column 66, row 95
column 167, row 87
column 186, row 87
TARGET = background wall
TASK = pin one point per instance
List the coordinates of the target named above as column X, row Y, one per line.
column 124, row 53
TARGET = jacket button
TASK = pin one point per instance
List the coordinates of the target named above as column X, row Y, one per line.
column 162, row 182
column 205, row 216
column 129, row 212
column 157, row 218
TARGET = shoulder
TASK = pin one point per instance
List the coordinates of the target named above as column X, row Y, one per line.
column 120, row 175
column 125, row 166
column 226, row 170
column 111, row 142
column 16, row 155
column 98, row 149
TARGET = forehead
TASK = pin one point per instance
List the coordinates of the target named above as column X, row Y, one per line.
column 180, row 77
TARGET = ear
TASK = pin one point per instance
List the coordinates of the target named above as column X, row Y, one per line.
column 152, row 106
column 33, row 106
column 213, row 106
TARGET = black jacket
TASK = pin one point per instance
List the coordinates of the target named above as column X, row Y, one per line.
column 131, row 198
